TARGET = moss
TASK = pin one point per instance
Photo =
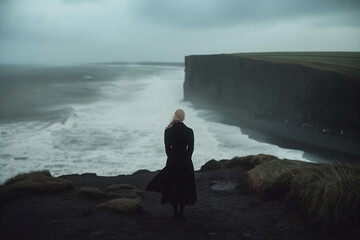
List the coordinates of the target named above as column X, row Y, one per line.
column 38, row 182
column 125, row 198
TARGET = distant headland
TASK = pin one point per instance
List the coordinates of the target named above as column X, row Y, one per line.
column 296, row 98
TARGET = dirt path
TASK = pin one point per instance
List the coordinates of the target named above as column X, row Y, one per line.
column 223, row 211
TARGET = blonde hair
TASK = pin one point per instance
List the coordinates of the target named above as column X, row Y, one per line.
column 179, row 116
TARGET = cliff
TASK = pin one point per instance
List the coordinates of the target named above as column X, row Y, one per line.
column 249, row 197
column 287, row 92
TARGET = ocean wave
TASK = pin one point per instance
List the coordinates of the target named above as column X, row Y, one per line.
column 61, row 115
column 121, row 132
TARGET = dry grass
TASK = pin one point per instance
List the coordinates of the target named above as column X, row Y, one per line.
column 122, row 198
column 123, row 190
column 328, row 194
column 123, row 186
column 247, row 162
column 127, row 199
column 39, row 182
column 93, row 193
column 123, row 205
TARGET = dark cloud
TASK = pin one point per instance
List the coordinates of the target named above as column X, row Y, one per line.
column 67, row 31
column 210, row 13
column 4, row 10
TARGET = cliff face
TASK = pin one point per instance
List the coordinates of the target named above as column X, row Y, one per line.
column 291, row 93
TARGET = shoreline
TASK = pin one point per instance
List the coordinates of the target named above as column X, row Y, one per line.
column 317, row 147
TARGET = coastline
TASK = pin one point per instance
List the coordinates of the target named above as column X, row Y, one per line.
column 72, row 206
column 317, row 147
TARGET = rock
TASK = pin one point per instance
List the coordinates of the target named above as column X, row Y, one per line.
column 250, row 161
column 212, row 165
column 227, row 186
column 89, row 174
column 276, row 91
column 141, row 171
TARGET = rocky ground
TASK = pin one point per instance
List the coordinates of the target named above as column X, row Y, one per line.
column 224, row 210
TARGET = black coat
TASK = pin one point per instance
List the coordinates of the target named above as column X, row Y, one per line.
column 176, row 180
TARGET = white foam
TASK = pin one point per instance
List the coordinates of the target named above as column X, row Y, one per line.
column 123, row 132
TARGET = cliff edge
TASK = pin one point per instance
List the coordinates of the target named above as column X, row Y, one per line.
column 309, row 96
column 288, row 92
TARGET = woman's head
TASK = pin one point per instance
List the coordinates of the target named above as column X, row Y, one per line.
column 179, row 116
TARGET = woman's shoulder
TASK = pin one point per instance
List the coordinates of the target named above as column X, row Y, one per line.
column 189, row 129
column 178, row 125
column 170, row 128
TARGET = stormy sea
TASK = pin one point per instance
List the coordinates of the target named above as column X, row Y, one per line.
column 106, row 119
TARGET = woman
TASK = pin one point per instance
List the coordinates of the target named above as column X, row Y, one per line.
column 176, row 181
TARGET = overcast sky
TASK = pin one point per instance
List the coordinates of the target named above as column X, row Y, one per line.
column 82, row 31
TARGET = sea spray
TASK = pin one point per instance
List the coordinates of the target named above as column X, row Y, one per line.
column 119, row 128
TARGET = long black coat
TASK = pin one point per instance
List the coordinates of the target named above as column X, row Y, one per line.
column 176, row 180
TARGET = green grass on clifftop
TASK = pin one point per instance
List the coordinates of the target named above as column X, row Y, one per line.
column 346, row 63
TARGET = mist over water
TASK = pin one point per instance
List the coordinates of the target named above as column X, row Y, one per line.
column 105, row 119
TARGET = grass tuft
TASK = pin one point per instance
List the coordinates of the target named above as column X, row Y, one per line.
column 127, row 199
column 123, row 190
column 38, row 182
column 93, row 193
column 249, row 162
column 328, row 194
column 123, row 205
column 124, row 186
